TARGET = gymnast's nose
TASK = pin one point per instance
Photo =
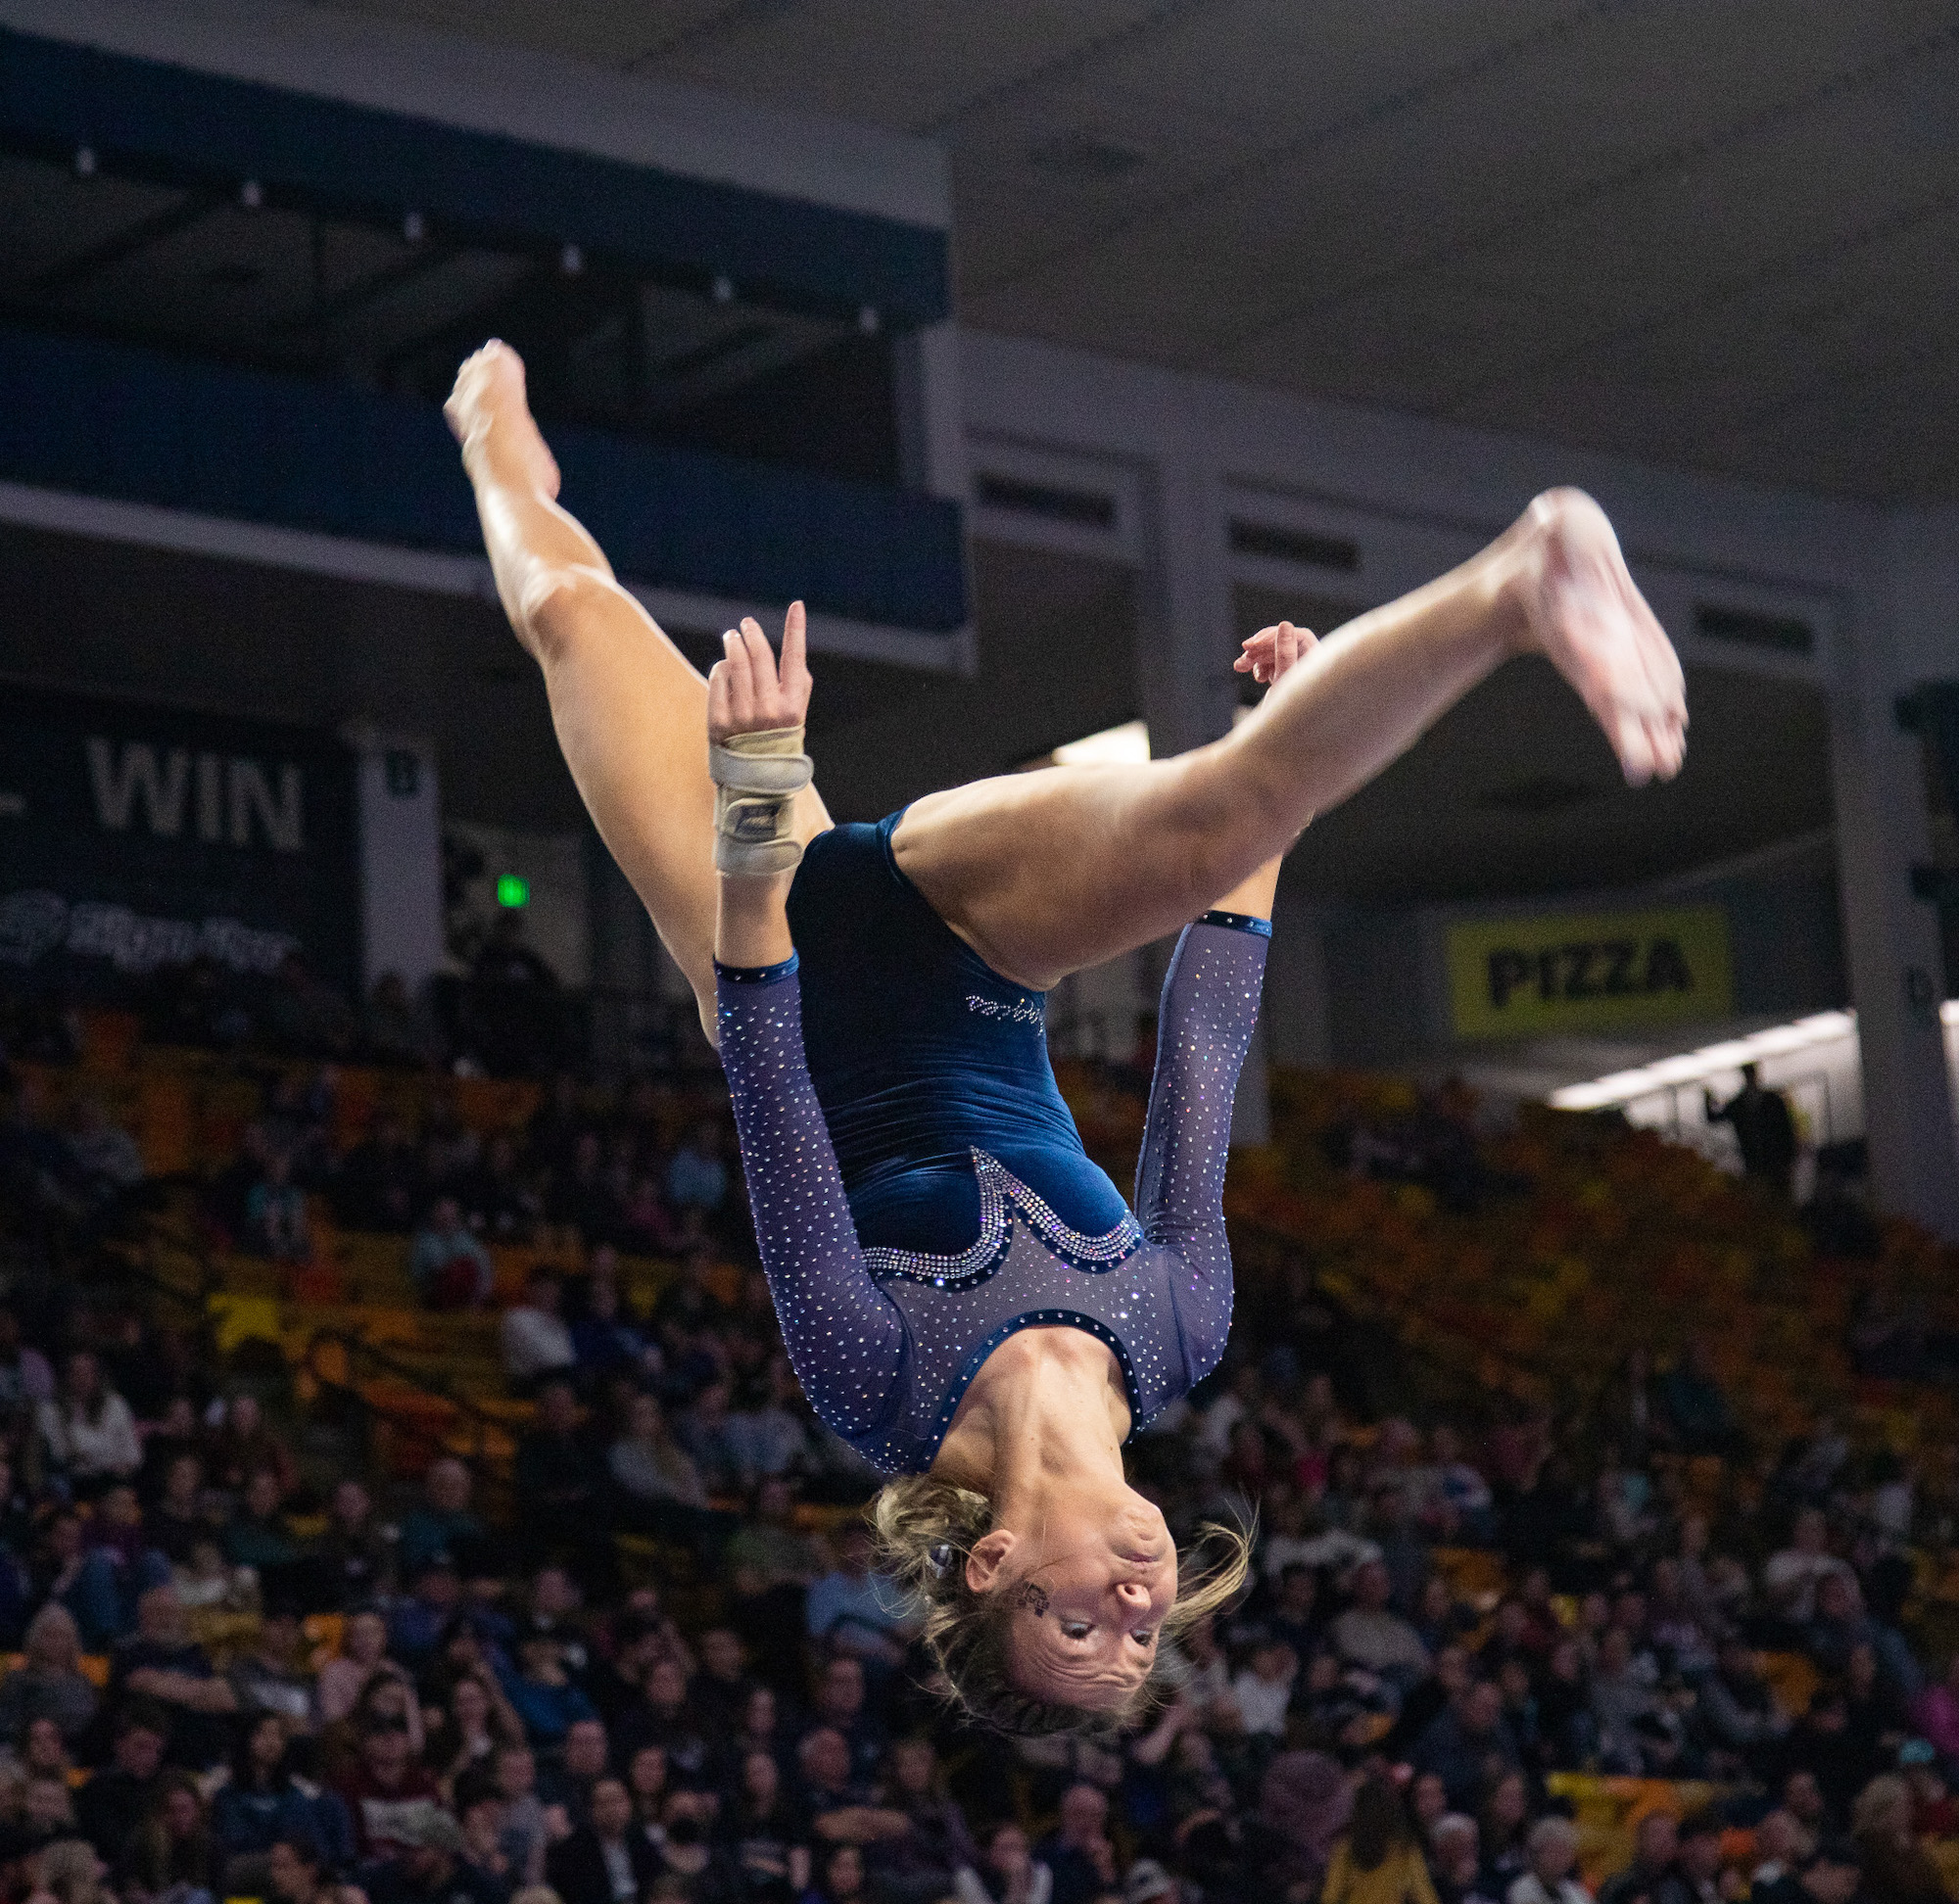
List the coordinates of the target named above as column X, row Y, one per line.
column 1133, row 1593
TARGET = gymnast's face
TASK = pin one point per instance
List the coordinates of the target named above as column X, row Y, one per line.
column 1088, row 1599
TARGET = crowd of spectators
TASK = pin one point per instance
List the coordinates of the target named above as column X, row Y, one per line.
column 499, row 1696
column 501, row 1010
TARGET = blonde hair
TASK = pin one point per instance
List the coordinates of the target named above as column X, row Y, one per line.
column 70, row 1868
column 1882, row 1795
column 53, row 1622
column 926, row 1528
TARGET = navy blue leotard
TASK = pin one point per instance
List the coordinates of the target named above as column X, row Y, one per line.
column 919, row 1187
column 920, row 1051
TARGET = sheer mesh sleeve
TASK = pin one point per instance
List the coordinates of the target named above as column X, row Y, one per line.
column 1204, row 1029
column 846, row 1337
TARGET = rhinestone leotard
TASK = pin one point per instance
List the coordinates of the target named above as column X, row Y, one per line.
column 886, row 1339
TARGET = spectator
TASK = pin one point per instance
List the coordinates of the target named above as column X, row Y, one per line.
column 535, row 1341
column 260, row 1802
column 921, row 1861
column 526, row 1833
column 72, row 1873
column 114, row 1803
column 162, row 1662
column 1079, row 1852
column 350, row 1562
column 174, row 1853
column 697, row 1178
column 603, row 1861
column 48, row 1683
column 1833, row 1874
column 442, row 1523
column 364, row 1648
column 294, row 1872
column 1468, row 1745
column 1552, row 1847
column 605, row 1339
column 1456, row 1859
column 270, row 1673
column 1697, row 1409
column 1008, row 1873
column 765, row 1833
column 380, row 1181
column 1305, row 1804
column 106, row 1160
column 708, row 1432
column 86, row 1434
column 1368, row 1634
column 450, row 1268
column 1764, row 1130
column 1655, row 1843
column 560, row 1474
column 854, row 1610
column 389, row 1793
column 1264, row 1690
column 654, row 1471
column 769, row 1436
column 26, row 1379
column 432, row 1866
column 1897, row 1869
column 1377, row 1861
column 259, row 1534
column 542, row 1692
column 275, row 1214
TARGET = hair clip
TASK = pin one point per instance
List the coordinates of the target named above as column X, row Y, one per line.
column 938, row 1557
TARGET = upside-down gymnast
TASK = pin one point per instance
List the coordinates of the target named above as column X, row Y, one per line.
column 966, row 1297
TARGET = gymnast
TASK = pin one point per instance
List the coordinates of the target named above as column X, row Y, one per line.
column 965, row 1295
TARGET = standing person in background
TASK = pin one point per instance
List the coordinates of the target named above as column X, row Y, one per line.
column 1763, row 1129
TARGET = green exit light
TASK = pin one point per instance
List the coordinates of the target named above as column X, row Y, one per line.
column 512, row 891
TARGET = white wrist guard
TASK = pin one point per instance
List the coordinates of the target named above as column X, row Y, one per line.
column 756, row 779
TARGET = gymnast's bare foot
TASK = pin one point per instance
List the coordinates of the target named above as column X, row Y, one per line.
column 1582, row 610
column 491, row 417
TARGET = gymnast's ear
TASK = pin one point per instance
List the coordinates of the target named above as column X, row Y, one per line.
column 987, row 1557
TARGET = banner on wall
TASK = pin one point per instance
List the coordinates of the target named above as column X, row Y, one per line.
column 1594, row 971
column 134, row 839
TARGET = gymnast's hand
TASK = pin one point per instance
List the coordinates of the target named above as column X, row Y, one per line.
column 1270, row 653
column 748, row 692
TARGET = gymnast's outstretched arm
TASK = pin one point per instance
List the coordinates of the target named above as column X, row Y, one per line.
column 1204, row 1029
column 845, row 1336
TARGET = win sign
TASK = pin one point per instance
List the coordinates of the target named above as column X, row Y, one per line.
column 134, row 839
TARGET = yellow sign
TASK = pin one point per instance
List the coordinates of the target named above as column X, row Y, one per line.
column 1598, row 971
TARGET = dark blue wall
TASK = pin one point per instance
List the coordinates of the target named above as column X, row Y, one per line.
column 188, row 128
column 117, row 421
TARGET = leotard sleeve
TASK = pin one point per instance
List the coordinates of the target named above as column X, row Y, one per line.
column 1204, row 1029
column 845, row 1338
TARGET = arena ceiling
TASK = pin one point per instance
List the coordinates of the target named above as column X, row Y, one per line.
column 1722, row 234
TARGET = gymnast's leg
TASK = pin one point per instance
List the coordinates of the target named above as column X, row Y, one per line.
column 631, row 713
column 1043, row 874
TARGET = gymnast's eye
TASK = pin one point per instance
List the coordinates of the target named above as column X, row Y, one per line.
column 1074, row 1629
column 1144, row 1638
